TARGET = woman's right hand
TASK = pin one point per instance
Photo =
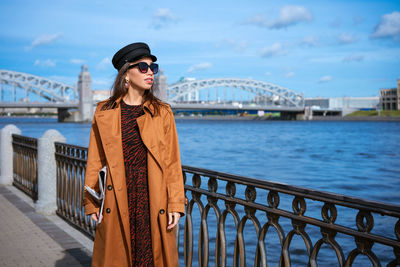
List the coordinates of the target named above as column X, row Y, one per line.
column 95, row 216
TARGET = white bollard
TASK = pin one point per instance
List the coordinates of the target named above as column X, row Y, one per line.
column 6, row 153
column 47, row 172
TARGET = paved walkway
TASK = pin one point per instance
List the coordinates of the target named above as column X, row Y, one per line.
column 30, row 239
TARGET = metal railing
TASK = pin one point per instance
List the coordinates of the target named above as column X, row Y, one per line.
column 341, row 229
column 71, row 165
column 25, row 171
column 234, row 220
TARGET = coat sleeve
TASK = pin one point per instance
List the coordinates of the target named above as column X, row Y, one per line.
column 95, row 161
column 173, row 168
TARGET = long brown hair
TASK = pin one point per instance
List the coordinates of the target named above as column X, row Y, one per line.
column 119, row 90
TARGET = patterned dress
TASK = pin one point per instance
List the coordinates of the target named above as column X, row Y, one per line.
column 135, row 159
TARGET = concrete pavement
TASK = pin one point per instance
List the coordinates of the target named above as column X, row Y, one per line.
column 31, row 239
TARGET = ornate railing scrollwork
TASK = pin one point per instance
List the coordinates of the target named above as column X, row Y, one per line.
column 25, row 171
column 71, row 166
column 264, row 205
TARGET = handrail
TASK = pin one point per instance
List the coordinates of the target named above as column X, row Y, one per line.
column 25, row 170
column 376, row 206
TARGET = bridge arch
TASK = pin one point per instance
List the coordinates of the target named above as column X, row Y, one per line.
column 264, row 91
column 50, row 90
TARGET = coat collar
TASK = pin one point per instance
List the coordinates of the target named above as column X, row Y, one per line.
column 147, row 106
column 109, row 124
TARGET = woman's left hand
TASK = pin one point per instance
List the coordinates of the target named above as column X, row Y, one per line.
column 173, row 219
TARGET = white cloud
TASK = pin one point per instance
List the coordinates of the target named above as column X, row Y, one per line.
column 43, row 40
column 309, row 41
column 164, row 14
column 200, row 66
column 388, row 27
column 275, row 49
column 288, row 16
column 291, row 15
column 48, row 63
column 162, row 17
column 346, row 38
column 104, row 64
column 268, row 73
column 259, row 20
column 350, row 58
column 325, row 79
column 238, row 46
column 289, row 74
column 76, row 61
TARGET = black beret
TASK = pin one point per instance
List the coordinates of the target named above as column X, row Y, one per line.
column 131, row 53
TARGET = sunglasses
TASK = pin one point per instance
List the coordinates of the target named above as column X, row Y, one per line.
column 144, row 67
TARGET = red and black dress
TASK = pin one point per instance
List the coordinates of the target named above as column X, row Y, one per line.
column 135, row 159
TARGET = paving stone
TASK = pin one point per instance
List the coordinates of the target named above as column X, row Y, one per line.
column 30, row 239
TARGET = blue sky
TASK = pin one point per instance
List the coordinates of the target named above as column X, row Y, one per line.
column 321, row 48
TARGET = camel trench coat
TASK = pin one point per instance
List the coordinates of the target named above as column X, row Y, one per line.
column 112, row 244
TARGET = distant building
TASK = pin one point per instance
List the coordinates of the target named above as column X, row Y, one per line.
column 343, row 102
column 390, row 98
column 354, row 102
column 317, row 102
column 160, row 86
column 85, row 95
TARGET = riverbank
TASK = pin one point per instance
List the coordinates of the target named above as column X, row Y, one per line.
column 314, row 118
column 225, row 117
column 355, row 118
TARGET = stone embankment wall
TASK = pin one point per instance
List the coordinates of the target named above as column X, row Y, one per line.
column 354, row 118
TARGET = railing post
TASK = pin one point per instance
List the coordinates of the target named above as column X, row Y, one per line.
column 6, row 153
column 47, row 172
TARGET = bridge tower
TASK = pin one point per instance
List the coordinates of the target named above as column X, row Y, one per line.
column 85, row 95
column 160, row 86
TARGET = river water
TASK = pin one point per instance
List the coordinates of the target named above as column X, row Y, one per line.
column 360, row 159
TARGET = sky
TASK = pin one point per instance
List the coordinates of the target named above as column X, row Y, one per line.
column 319, row 48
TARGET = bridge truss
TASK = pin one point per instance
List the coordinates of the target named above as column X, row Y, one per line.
column 49, row 90
column 262, row 93
column 186, row 91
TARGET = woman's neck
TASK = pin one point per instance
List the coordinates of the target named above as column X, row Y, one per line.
column 133, row 97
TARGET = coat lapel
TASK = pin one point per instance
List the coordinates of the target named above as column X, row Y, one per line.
column 149, row 136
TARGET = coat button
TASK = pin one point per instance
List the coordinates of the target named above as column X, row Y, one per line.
column 109, row 187
column 162, row 211
column 108, row 210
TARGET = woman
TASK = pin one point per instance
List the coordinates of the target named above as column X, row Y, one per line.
column 133, row 134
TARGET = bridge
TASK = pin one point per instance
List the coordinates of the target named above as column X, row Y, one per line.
column 22, row 90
